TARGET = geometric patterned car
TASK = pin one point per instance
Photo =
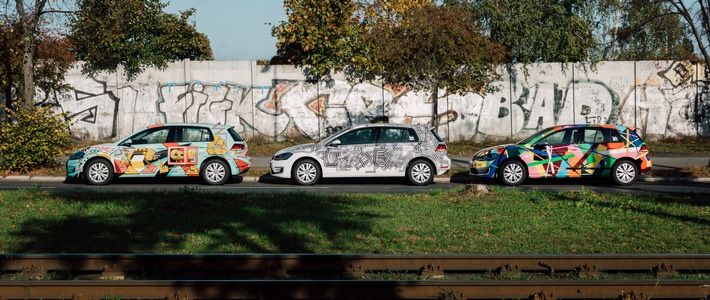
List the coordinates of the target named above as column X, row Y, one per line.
column 213, row 152
column 567, row 151
column 369, row 150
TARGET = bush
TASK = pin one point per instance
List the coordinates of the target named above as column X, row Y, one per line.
column 33, row 139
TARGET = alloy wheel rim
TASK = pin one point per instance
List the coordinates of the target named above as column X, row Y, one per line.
column 513, row 173
column 306, row 172
column 215, row 172
column 98, row 172
column 421, row 172
column 625, row 173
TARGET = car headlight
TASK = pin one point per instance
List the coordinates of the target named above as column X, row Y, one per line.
column 487, row 156
column 76, row 155
column 283, row 156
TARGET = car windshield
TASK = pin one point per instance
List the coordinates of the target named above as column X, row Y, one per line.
column 531, row 137
column 333, row 136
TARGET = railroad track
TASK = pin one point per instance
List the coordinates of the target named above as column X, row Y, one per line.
column 313, row 276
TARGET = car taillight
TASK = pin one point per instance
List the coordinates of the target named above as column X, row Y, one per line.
column 237, row 147
column 644, row 148
column 440, row 147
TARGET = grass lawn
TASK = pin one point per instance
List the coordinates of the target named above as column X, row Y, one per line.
column 457, row 221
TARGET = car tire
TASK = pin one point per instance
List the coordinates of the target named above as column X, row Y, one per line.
column 420, row 172
column 215, row 172
column 624, row 172
column 98, row 172
column 306, row 172
column 512, row 173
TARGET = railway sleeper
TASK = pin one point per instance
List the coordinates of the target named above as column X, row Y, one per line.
column 664, row 271
column 431, row 271
column 508, row 270
column 587, row 271
column 113, row 272
column 33, row 272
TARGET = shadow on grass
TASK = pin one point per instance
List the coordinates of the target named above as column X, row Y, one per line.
column 169, row 222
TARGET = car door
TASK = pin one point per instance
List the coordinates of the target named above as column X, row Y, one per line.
column 394, row 149
column 592, row 159
column 143, row 154
column 554, row 155
column 355, row 154
column 187, row 149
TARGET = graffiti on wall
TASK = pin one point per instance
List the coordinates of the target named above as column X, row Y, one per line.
column 662, row 101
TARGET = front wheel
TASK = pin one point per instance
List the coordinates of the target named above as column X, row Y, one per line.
column 98, row 172
column 306, row 172
column 420, row 172
column 624, row 172
column 215, row 172
column 512, row 173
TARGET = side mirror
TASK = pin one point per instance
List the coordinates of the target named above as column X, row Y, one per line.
column 335, row 142
column 128, row 142
column 542, row 145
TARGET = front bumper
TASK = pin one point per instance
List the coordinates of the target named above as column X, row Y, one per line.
column 280, row 168
column 482, row 168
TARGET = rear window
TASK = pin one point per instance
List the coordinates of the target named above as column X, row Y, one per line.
column 235, row 135
column 438, row 138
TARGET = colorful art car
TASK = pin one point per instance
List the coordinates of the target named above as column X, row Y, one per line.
column 370, row 150
column 567, row 151
column 213, row 152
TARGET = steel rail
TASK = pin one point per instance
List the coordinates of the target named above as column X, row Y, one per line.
column 358, row 263
column 355, row 289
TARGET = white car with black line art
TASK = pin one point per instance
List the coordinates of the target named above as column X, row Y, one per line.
column 369, row 150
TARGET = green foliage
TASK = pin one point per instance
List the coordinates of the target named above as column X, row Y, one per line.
column 33, row 140
column 416, row 44
column 134, row 34
column 437, row 46
column 319, row 36
column 648, row 32
column 538, row 31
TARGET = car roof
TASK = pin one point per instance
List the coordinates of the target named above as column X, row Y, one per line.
column 387, row 125
column 618, row 127
column 190, row 124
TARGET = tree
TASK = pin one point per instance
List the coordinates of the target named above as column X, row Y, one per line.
column 319, row 36
column 415, row 43
column 647, row 31
column 133, row 34
column 52, row 57
column 437, row 46
column 696, row 15
column 538, row 30
column 29, row 17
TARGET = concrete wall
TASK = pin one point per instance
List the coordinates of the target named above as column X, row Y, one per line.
column 662, row 98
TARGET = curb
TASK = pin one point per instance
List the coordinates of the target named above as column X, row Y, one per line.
column 463, row 180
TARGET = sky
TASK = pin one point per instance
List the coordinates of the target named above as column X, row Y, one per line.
column 237, row 29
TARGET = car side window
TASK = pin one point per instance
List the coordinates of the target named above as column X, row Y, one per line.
column 592, row 136
column 397, row 135
column 359, row 136
column 155, row 136
column 558, row 138
column 614, row 135
column 194, row 134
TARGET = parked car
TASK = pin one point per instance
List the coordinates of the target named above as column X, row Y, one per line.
column 370, row 150
column 567, row 151
column 213, row 152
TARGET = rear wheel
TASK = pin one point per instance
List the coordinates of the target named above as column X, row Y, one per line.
column 215, row 172
column 512, row 173
column 420, row 172
column 306, row 172
column 624, row 172
column 98, row 172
